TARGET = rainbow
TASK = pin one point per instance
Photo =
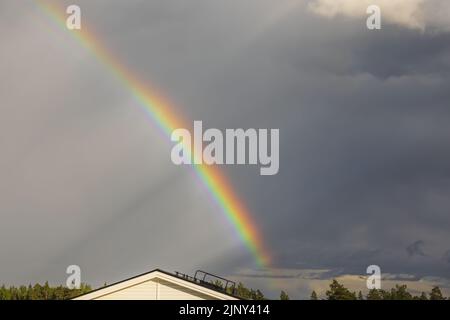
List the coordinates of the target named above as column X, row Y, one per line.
column 160, row 111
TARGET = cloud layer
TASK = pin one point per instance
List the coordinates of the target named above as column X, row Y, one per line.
column 415, row 14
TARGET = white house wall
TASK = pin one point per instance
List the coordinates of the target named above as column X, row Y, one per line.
column 155, row 286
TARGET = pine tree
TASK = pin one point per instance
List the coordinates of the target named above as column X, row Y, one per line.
column 284, row 296
column 257, row 295
column 246, row 293
column 314, row 296
column 339, row 292
column 242, row 291
column 436, row 294
column 374, row 294
column 360, row 296
column 400, row 292
column 218, row 284
column 423, row 296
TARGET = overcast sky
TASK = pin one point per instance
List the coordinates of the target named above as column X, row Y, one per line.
column 86, row 179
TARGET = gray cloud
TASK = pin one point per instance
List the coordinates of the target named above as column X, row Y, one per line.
column 446, row 256
column 414, row 14
column 416, row 249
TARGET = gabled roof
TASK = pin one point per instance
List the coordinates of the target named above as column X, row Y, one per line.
column 207, row 290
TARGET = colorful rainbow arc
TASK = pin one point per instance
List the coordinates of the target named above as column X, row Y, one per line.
column 160, row 112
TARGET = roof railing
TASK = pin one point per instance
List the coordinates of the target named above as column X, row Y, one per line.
column 210, row 280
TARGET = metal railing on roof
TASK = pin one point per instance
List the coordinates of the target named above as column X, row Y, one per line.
column 210, row 280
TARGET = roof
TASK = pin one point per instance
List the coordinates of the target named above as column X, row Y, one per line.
column 188, row 282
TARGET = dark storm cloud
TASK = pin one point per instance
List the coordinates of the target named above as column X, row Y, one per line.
column 364, row 145
column 416, row 249
column 446, row 256
column 429, row 56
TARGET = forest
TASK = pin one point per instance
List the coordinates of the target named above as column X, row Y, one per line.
column 336, row 291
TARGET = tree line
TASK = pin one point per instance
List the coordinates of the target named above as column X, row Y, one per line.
column 41, row 292
column 338, row 291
